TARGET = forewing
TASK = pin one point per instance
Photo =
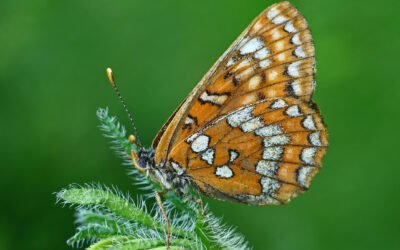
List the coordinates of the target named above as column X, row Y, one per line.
column 263, row 153
column 274, row 57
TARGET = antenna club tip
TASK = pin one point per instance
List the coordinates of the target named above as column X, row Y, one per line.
column 110, row 76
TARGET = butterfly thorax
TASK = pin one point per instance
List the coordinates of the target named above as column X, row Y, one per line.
column 163, row 175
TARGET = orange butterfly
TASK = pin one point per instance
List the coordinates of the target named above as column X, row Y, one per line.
column 249, row 131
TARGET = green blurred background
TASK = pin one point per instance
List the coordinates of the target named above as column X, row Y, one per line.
column 52, row 60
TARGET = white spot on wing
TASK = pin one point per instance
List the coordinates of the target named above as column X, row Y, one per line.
column 315, row 139
column 277, row 140
column 246, row 73
column 308, row 123
column 216, row 99
column 279, row 19
column 293, row 111
column 307, row 155
column 269, row 131
column 208, row 156
column 255, row 82
column 270, row 186
column 189, row 120
column 304, row 175
column 289, row 27
column 268, row 168
column 299, row 52
column 252, row 124
column 233, row 155
column 273, row 12
column 265, row 63
column 200, row 143
column 297, row 88
column 273, row 153
column 237, row 118
column 252, row 46
column 224, row 172
column 296, row 39
column 294, row 69
column 231, row 62
column 278, row 104
column 261, row 54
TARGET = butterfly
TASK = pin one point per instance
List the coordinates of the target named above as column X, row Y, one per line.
column 249, row 131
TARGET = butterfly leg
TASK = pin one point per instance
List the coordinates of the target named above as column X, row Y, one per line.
column 164, row 213
column 200, row 204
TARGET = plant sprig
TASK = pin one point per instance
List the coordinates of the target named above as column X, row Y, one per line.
column 109, row 219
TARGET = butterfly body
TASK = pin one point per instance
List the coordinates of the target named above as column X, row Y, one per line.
column 249, row 131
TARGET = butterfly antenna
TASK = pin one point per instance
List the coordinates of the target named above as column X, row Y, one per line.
column 111, row 79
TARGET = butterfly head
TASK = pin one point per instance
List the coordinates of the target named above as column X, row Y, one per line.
column 145, row 158
column 143, row 161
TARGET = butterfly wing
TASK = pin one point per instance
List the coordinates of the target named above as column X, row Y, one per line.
column 262, row 153
column 273, row 57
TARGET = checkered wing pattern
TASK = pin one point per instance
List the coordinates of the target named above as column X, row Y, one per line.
column 249, row 131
